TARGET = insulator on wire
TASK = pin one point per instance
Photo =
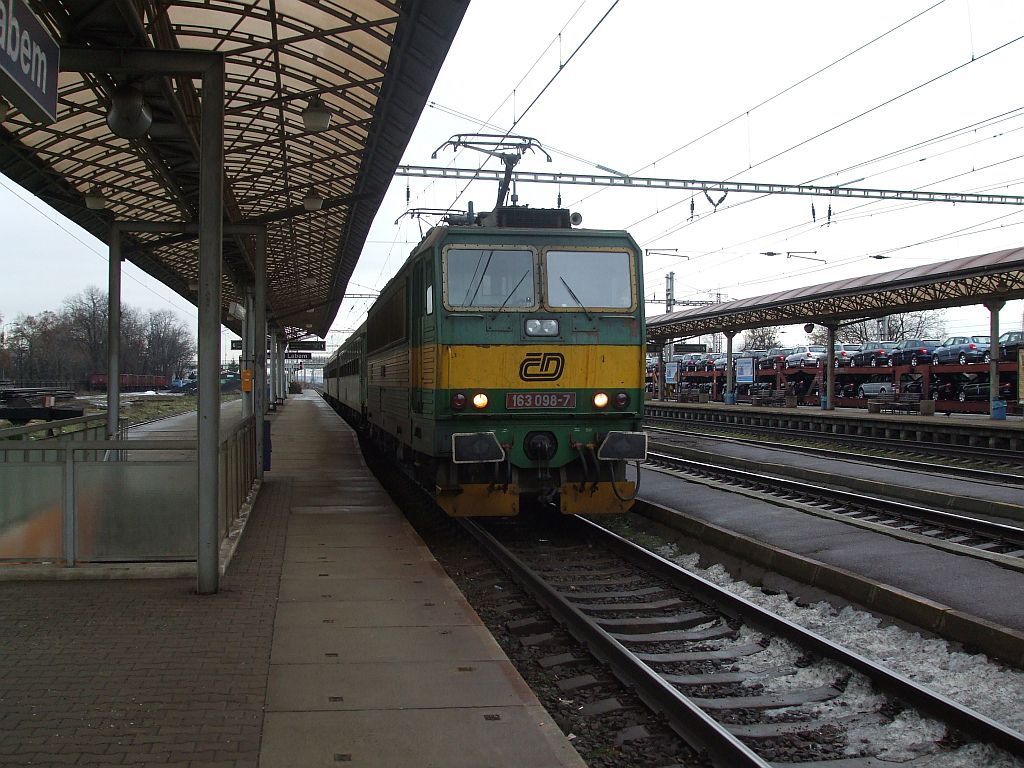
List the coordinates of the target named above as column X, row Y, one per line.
column 407, row 193
column 829, row 213
column 814, row 216
column 692, row 214
column 559, row 203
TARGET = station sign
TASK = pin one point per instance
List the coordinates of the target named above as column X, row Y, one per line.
column 314, row 345
column 236, row 345
column 289, row 355
column 29, row 62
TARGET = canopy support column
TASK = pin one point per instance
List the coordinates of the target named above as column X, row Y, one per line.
column 248, row 337
column 114, row 334
column 211, row 223
column 993, row 308
column 830, row 369
column 259, row 350
column 730, row 375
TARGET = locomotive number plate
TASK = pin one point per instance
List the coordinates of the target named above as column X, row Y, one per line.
column 540, row 400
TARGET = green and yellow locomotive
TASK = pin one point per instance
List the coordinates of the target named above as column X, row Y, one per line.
column 505, row 362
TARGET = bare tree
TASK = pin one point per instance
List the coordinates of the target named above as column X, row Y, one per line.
column 70, row 344
column 762, row 338
column 926, row 324
column 86, row 315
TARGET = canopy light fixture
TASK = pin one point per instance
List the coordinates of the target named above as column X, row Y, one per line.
column 317, row 115
column 312, row 201
column 94, row 199
column 130, row 116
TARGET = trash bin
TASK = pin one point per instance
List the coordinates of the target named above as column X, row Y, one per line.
column 266, row 445
column 824, row 402
column 730, row 398
column 998, row 410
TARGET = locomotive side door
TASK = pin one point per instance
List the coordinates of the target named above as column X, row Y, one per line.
column 423, row 365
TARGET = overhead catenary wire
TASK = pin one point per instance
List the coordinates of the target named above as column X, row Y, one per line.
column 773, row 97
column 511, row 94
column 835, row 127
column 948, row 135
column 561, row 68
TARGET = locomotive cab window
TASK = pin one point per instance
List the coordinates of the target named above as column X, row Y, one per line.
column 490, row 278
column 589, row 280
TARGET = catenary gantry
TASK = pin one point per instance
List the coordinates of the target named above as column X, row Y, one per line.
column 371, row 62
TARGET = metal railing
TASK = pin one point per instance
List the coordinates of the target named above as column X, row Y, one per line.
column 238, row 458
column 69, row 496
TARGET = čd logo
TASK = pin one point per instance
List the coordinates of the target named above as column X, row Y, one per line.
column 542, row 366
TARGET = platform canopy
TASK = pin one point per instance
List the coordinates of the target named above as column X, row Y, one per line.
column 371, row 62
column 997, row 276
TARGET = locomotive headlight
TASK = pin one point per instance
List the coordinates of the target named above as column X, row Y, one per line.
column 480, row 400
column 458, row 401
column 538, row 327
column 621, row 400
column 600, row 400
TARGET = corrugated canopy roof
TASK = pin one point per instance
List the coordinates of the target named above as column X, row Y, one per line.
column 971, row 280
column 373, row 62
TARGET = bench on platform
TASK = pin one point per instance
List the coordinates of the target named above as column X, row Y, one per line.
column 774, row 397
column 908, row 402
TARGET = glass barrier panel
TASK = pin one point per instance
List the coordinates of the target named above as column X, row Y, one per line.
column 136, row 511
column 31, row 510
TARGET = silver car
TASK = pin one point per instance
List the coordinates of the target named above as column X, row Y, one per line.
column 874, row 388
column 806, row 356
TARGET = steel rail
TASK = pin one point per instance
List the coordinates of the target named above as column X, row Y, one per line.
column 939, row 449
column 977, row 526
column 929, row 701
column 973, row 473
column 684, row 717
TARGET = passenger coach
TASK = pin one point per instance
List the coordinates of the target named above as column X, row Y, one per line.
column 504, row 362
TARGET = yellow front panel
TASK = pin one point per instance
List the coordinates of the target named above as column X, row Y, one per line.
column 535, row 366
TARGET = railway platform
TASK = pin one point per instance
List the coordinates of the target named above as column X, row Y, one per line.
column 336, row 639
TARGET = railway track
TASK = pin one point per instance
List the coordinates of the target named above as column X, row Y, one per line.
column 996, row 459
column 976, row 536
column 1000, row 477
column 743, row 685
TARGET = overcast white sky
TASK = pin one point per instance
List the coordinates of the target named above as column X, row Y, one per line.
column 655, row 76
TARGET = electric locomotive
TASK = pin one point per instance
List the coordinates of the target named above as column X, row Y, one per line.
column 505, row 363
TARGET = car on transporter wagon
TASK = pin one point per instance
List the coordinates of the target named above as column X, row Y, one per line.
column 873, row 353
column 807, row 356
column 961, row 350
column 776, row 358
column 913, row 351
column 842, row 354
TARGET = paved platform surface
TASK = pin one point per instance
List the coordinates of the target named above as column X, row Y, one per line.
column 336, row 639
column 377, row 660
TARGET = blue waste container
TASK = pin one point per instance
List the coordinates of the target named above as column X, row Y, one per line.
column 998, row 410
column 730, row 398
column 824, row 402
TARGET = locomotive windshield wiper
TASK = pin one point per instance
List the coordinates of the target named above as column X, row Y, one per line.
column 512, row 292
column 575, row 297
